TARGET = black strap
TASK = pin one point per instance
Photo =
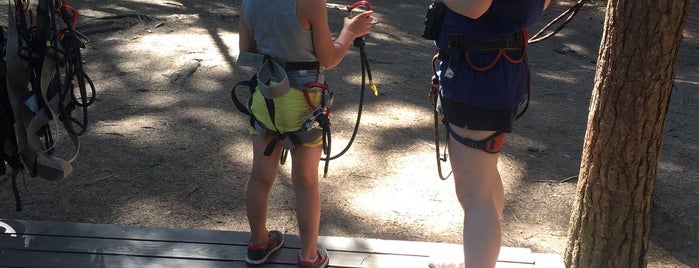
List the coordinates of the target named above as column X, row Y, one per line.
column 273, row 143
column 302, row 65
column 527, row 92
column 250, row 84
column 488, row 145
column 510, row 41
column 272, row 113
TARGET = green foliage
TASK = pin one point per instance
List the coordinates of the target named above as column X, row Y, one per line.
column 156, row 160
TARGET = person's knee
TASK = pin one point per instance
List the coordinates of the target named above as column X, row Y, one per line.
column 475, row 197
column 305, row 182
column 266, row 180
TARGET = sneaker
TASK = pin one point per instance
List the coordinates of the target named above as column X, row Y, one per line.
column 258, row 254
column 320, row 262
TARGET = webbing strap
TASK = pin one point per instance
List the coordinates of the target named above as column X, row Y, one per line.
column 460, row 48
column 511, row 41
column 492, row 144
column 272, row 114
column 250, row 84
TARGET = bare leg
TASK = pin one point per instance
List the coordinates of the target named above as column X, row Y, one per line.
column 264, row 172
column 480, row 192
column 304, row 174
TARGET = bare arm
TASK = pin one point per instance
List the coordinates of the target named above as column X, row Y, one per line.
column 314, row 14
column 469, row 8
column 474, row 8
column 245, row 42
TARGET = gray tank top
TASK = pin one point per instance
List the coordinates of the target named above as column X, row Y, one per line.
column 276, row 31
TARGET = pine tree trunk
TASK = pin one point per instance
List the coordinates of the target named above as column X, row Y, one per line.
column 610, row 221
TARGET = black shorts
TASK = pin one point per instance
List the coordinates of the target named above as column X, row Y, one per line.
column 475, row 118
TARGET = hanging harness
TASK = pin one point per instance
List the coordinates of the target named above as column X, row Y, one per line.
column 46, row 84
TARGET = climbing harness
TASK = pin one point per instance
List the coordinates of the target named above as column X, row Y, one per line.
column 458, row 47
column 46, row 83
column 317, row 123
column 319, row 115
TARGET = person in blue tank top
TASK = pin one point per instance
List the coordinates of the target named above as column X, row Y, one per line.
column 290, row 31
column 483, row 78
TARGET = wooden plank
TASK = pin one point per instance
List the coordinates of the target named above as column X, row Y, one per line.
column 139, row 244
column 89, row 245
column 547, row 260
column 516, row 255
column 123, row 231
column 207, row 236
column 379, row 246
column 9, row 258
column 40, row 259
column 201, row 251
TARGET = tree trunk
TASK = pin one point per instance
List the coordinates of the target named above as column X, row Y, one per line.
column 610, row 221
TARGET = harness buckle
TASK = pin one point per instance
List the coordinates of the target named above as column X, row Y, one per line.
column 311, row 119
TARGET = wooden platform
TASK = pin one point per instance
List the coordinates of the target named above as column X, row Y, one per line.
column 73, row 245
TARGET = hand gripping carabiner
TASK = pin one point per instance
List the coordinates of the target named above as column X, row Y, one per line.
column 363, row 3
column 358, row 42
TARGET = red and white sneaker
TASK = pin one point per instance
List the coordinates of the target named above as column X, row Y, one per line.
column 320, row 262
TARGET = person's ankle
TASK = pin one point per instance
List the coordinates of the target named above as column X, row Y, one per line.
column 264, row 242
column 311, row 260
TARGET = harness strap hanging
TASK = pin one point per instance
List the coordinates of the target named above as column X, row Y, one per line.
column 36, row 108
column 527, row 95
column 8, row 141
column 44, row 82
column 321, row 115
column 434, row 100
column 272, row 114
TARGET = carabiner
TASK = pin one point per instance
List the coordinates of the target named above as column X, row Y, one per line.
column 363, row 3
column 359, row 3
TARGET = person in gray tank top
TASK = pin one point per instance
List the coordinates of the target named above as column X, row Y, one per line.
column 290, row 31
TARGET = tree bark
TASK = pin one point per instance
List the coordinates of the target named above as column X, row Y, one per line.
column 636, row 66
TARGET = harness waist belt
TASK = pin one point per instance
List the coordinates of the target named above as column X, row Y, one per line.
column 256, row 60
column 511, row 41
column 301, row 65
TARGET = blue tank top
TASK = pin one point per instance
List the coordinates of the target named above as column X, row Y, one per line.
column 503, row 86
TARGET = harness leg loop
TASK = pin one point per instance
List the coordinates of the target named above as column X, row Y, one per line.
column 492, row 144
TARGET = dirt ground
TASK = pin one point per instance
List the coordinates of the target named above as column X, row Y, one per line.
column 166, row 147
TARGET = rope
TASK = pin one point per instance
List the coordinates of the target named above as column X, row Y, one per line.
column 360, row 43
column 571, row 12
column 365, row 72
column 433, row 97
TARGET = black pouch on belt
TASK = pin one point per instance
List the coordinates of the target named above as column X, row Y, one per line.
column 433, row 20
